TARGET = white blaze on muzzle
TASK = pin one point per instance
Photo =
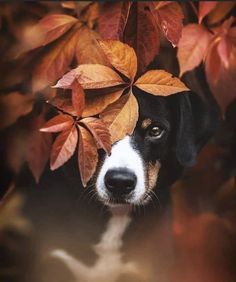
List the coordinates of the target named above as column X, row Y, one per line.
column 123, row 156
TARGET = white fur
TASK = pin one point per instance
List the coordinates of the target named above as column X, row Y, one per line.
column 123, row 155
column 109, row 265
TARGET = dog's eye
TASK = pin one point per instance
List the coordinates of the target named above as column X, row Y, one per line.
column 156, row 132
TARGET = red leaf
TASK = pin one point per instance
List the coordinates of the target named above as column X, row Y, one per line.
column 170, row 20
column 205, row 7
column 63, row 147
column 192, row 46
column 142, row 34
column 87, row 156
column 113, row 19
column 99, row 131
column 58, row 123
column 78, row 98
column 39, row 148
column 224, row 49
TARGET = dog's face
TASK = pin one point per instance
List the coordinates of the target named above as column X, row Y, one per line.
column 173, row 127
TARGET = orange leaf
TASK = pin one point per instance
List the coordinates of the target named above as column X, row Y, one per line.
column 54, row 62
column 64, row 104
column 13, row 106
column 47, row 30
column 87, row 155
column 160, row 82
column 88, row 50
column 192, row 46
column 205, row 7
column 91, row 76
column 58, row 123
column 121, row 117
column 99, row 131
column 121, row 56
column 95, row 105
column 63, row 147
column 78, row 98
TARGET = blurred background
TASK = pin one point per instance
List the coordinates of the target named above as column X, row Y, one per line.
column 197, row 244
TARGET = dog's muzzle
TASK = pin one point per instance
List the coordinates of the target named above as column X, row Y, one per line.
column 121, row 179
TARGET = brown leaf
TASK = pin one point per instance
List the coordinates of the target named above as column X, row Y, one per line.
column 224, row 49
column 63, row 147
column 121, row 56
column 205, row 7
column 160, row 82
column 39, row 148
column 55, row 62
column 92, row 76
column 13, row 106
column 113, row 19
column 99, row 131
column 88, row 50
column 87, row 155
column 192, row 46
column 95, row 105
column 220, row 12
column 58, row 123
column 47, row 30
column 78, row 98
column 64, row 104
column 170, row 20
column 121, row 117
column 142, row 34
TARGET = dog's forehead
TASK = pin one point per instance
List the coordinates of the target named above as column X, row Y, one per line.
column 152, row 107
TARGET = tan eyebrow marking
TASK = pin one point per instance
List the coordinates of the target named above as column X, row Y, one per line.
column 145, row 123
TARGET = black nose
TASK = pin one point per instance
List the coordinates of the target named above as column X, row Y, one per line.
column 120, row 182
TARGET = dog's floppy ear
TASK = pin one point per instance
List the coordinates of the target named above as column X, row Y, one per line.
column 195, row 125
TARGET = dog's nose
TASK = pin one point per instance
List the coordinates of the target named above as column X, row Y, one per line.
column 120, row 182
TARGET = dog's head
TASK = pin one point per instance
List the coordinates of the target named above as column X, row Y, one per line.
column 168, row 134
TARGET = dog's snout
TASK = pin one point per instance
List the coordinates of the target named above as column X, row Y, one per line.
column 120, row 182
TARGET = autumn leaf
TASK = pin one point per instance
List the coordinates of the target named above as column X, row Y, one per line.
column 99, row 131
column 121, row 56
column 220, row 12
column 54, row 62
column 38, row 151
column 87, row 49
column 96, row 104
column 78, row 98
column 58, row 123
column 160, row 82
column 63, row 147
column 113, row 19
column 13, row 106
column 205, row 7
column 192, row 46
column 64, row 104
column 91, row 76
column 142, row 34
column 48, row 29
column 170, row 20
column 87, row 155
column 121, row 117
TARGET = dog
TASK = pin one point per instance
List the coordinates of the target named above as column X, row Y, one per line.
column 105, row 216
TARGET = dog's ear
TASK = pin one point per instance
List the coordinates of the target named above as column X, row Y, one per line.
column 195, row 125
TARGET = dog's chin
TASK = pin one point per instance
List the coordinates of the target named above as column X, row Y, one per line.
column 123, row 203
